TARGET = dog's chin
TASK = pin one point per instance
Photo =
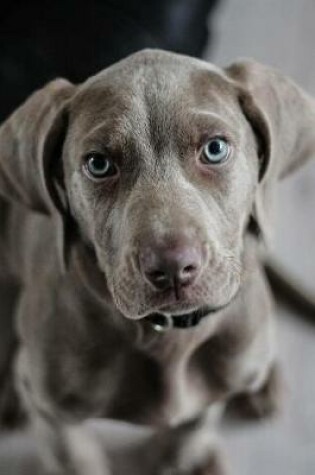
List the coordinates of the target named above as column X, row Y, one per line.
column 182, row 311
column 183, row 314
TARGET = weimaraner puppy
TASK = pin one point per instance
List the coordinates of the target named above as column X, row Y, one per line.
column 134, row 207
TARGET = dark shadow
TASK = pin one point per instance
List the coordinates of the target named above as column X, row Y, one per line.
column 41, row 40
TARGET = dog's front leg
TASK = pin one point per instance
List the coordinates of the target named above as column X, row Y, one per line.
column 65, row 448
column 69, row 449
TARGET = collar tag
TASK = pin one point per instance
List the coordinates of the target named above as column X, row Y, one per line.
column 161, row 323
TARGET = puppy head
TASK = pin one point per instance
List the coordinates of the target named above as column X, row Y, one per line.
column 163, row 161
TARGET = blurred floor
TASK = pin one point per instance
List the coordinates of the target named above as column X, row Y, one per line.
column 281, row 33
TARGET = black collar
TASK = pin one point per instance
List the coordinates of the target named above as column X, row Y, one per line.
column 162, row 323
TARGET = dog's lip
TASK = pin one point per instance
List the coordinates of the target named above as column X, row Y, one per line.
column 180, row 314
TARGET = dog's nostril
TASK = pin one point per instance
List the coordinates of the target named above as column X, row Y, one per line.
column 157, row 276
column 189, row 269
column 187, row 274
column 159, row 279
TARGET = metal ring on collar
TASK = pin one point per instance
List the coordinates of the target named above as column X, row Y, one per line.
column 161, row 323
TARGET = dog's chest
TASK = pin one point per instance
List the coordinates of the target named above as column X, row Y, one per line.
column 160, row 387
column 185, row 393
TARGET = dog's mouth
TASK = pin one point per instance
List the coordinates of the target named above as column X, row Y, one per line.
column 162, row 322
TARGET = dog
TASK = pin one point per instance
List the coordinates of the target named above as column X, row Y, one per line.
column 135, row 208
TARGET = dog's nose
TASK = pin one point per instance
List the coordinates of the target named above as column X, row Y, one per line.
column 174, row 266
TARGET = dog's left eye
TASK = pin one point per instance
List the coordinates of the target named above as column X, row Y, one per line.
column 215, row 151
column 98, row 166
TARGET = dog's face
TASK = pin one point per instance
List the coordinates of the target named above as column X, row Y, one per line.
column 164, row 160
column 161, row 169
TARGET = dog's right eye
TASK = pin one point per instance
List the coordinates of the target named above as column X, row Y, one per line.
column 98, row 166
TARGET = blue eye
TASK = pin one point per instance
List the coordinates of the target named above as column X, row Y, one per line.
column 99, row 166
column 215, row 151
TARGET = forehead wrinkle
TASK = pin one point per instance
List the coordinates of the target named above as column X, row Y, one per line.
column 115, row 132
column 165, row 112
column 159, row 127
column 107, row 125
column 213, row 120
column 205, row 116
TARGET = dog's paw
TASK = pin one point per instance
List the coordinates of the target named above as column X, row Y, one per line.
column 264, row 403
column 189, row 449
column 211, row 466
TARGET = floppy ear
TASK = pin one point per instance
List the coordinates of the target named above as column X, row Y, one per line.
column 282, row 117
column 30, row 152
